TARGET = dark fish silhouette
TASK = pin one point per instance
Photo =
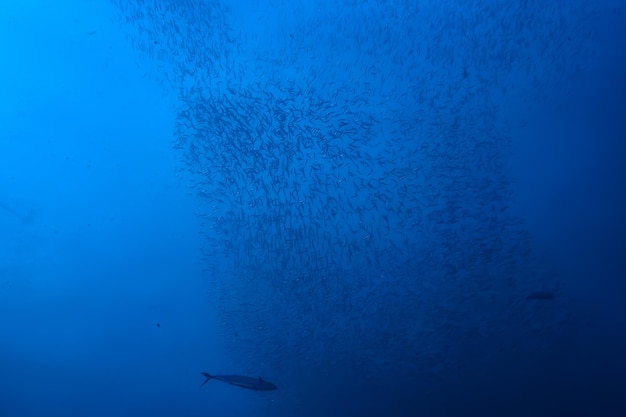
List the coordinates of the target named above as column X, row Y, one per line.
column 24, row 218
column 541, row 295
column 256, row 384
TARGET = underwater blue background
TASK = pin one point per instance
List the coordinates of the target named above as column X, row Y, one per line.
column 391, row 208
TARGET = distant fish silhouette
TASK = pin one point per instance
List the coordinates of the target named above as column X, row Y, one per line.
column 256, row 384
column 24, row 218
column 541, row 295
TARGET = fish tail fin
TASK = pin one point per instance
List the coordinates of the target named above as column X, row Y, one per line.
column 207, row 376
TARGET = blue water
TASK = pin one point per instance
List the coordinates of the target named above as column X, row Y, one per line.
column 391, row 208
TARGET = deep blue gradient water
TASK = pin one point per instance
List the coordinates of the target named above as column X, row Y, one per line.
column 385, row 208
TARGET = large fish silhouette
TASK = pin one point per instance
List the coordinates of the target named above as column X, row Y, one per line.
column 256, row 384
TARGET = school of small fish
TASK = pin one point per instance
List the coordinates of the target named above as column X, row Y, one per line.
column 350, row 163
